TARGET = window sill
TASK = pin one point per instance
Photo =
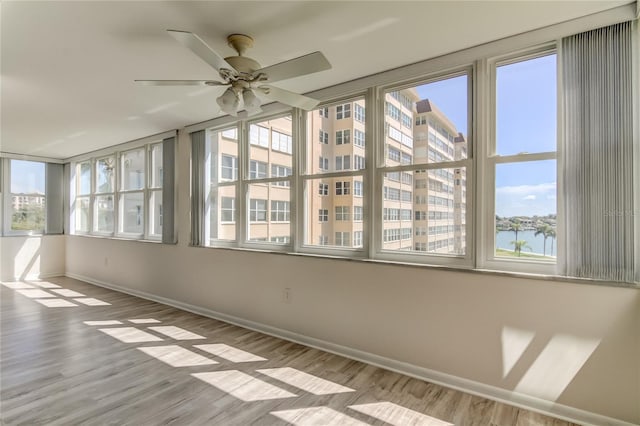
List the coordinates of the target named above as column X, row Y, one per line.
column 106, row 237
column 533, row 276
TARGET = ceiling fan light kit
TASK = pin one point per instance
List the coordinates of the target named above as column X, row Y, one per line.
column 243, row 75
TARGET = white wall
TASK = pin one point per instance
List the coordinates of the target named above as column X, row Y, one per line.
column 573, row 344
column 31, row 257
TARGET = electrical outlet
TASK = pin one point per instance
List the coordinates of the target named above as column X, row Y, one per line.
column 286, row 295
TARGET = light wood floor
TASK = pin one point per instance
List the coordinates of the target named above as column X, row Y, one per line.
column 60, row 368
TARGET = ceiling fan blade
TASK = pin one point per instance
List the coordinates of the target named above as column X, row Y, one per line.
column 289, row 98
column 307, row 64
column 200, row 48
column 179, row 83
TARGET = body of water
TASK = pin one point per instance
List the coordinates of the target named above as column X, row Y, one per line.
column 504, row 238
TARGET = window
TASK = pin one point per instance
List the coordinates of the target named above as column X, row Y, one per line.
column 343, row 111
column 281, row 142
column 280, row 171
column 323, row 163
column 357, row 188
column 343, row 188
column 357, row 238
column 525, row 163
column 357, row 213
column 342, row 238
column 26, row 205
column 132, row 195
column 228, row 209
column 393, row 154
column 358, row 137
column 228, row 167
column 343, row 137
column 343, row 162
column 104, row 205
column 393, row 111
column 358, row 162
column 257, row 170
column 323, row 240
column 83, row 192
column 280, row 211
column 342, row 212
column 358, row 112
column 323, row 189
column 324, row 137
column 155, row 190
column 324, row 112
column 323, row 215
column 230, row 134
column 259, row 135
column 257, row 210
column 406, row 121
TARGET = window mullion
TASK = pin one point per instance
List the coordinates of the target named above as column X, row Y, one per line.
column 242, row 210
column 373, row 177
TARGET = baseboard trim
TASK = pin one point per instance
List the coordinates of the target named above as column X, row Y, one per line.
column 494, row 393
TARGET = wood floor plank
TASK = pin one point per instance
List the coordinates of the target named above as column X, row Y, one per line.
column 81, row 365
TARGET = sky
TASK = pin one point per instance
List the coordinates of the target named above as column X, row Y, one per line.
column 525, row 122
column 27, row 177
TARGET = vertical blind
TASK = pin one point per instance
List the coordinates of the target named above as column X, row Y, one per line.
column 197, row 186
column 598, row 150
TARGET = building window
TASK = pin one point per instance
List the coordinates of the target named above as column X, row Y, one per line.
column 323, row 137
column 343, row 111
column 358, row 137
column 281, row 142
column 357, row 188
column 343, row 162
column 280, row 211
column 324, row 112
column 343, row 137
column 406, row 121
column 228, row 209
column 228, row 167
column 342, row 239
column 323, row 163
column 393, row 111
column 357, row 238
column 323, row 215
column 358, row 162
column 259, row 135
column 323, row 189
column 343, row 188
column 358, row 112
column 323, row 240
column 342, row 213
column 357, row 213
column 257, row 210
column 257, row 170
column 281, row 171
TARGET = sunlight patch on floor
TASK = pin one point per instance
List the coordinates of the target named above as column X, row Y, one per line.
column 243, row 386
column 305, row 381
column 397, row 415
column 176, row 332
column 68, row 293
column 90, row 301
column 143, row 321
column 44, row 284
column 317, row 416
column 176, row 356
column 35, row 293
column 104, row 322
column 229, row 353
column 17, row 285
column 130, row 335
column 55, row 303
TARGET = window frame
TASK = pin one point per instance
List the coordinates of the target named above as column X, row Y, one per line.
column 6, row 199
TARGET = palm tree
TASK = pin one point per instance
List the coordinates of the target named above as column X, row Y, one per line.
column 543, row 229
column 515, row 226
column 552, row 234
column 518, row 245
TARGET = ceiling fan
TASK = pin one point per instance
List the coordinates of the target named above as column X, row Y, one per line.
column 244, row 76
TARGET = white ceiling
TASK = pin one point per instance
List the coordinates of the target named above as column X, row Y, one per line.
column 68, row 67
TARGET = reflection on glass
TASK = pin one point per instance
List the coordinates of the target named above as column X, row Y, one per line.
column 526, row 106
column 133, row 169
column 104, row 220
column 526, row 210
column 131, row 211
column 155, row 213
column 156, row 166
column 105, row 168
column 84, row 178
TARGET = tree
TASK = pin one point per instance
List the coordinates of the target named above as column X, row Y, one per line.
column 543, row 229
column 552, row 235
column 518, row 245
column 515, row 226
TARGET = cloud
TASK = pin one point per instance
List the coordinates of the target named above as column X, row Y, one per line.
column 526, row 200
column 529, row 197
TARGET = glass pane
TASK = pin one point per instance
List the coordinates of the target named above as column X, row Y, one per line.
column 223, row 155
column 82, row 214
column 104, row 214
column 427, row 123
column 334, row 214
column 526, row 210
column 133, row 170
column 84, row 178
column 270, row 148
column 223, row 207
column 336, row 138
column 27, row 195
column 105, row 175
column 269, row 213
column 430, row 218
column 526, row 106
column 155, row 214
column 156, row 166
column 132, row 213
